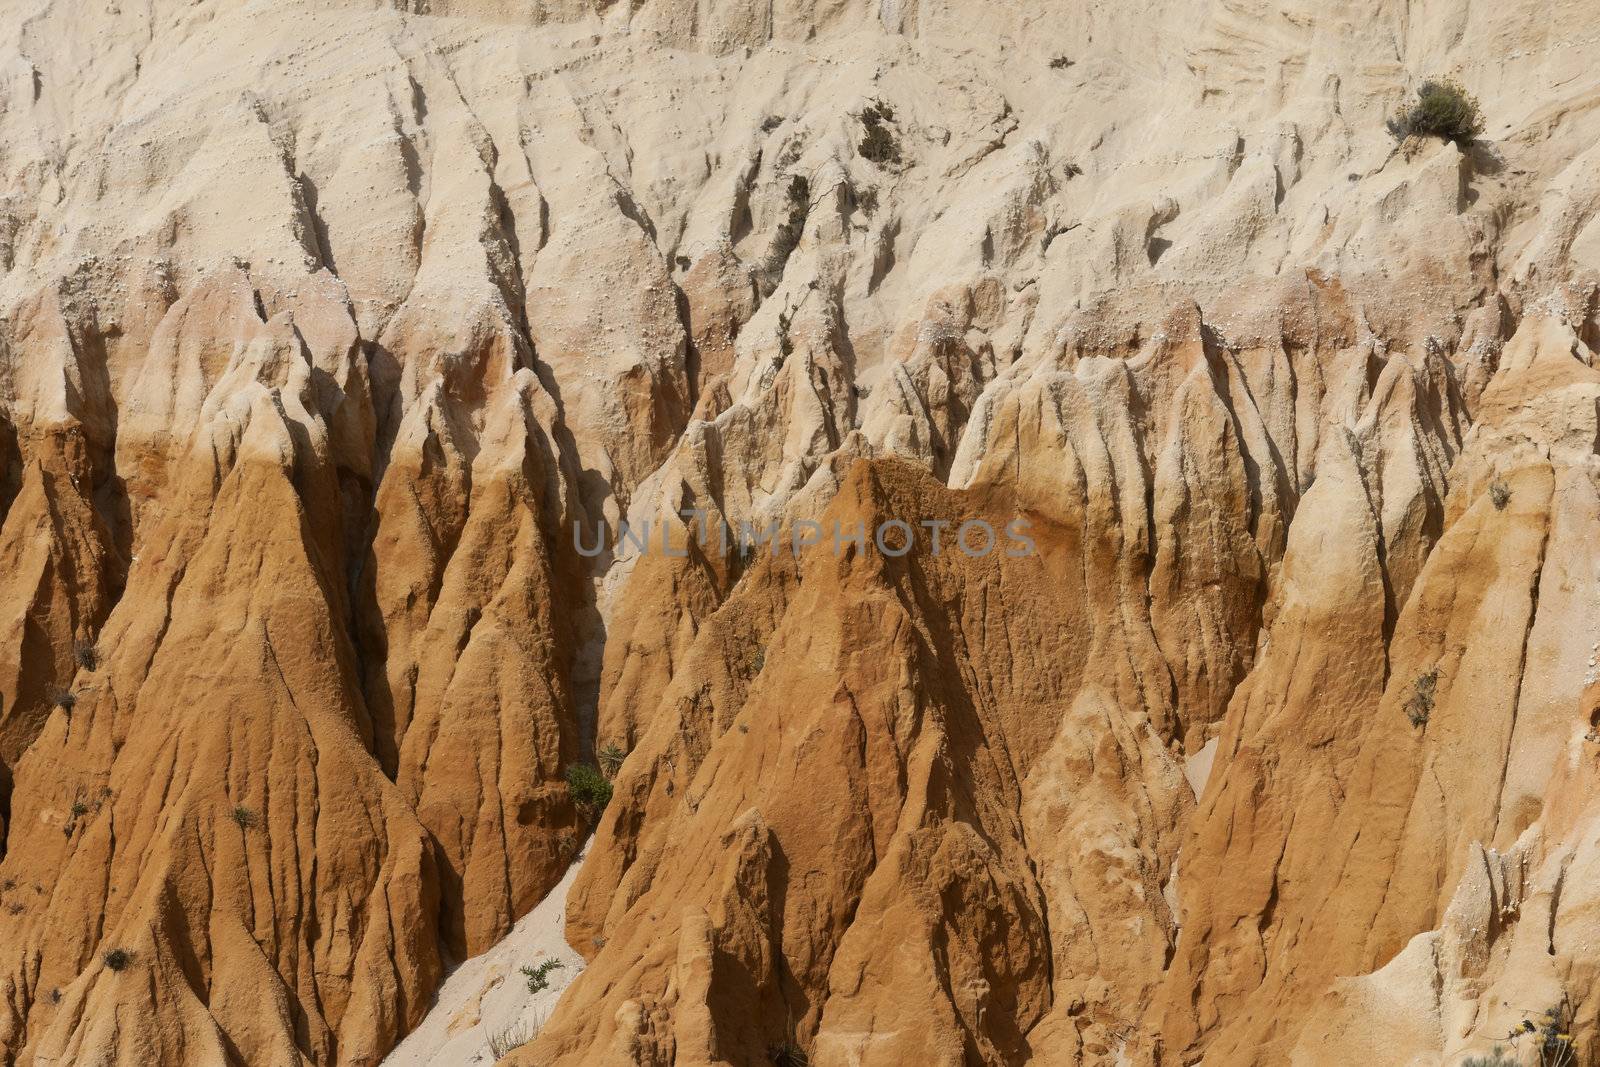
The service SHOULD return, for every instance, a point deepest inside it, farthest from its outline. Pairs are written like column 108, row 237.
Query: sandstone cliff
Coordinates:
column 332, row 334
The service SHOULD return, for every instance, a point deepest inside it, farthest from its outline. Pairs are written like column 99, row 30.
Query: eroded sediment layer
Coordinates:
column 324, row 327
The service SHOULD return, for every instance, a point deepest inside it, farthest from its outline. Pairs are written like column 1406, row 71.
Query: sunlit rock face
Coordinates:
column 347, row 351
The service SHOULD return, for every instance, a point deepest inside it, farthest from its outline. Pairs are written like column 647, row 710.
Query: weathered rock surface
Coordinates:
column 342, row 344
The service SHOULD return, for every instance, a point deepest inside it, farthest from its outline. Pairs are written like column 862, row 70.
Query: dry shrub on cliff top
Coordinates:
column 1443, row 109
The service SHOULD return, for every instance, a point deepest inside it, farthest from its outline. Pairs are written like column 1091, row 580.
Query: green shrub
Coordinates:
column 589, row 788
column 539, row 977
column 797, row 205
column 1499, row 494
column 1443, row 109
column 877, row 141
column 117, row 959
column 244, row 817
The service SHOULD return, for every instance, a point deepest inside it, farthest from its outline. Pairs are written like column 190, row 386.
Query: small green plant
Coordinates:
column 787, row 1054
column 1060, row 63
column 877, row 141
column 79, row 809
column 84, row 655
column 1419, row 705
column 1499, row 494
column 589, row 788
column 611, row 758
column 117, row 959
column 243, row 817
column 1442, row 109
column 539, row 977
column 758, row 661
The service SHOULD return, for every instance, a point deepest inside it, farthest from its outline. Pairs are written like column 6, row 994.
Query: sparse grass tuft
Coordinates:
column 84, row 655
column 787, row 1054
column 63, row 699
column 117, row 959
column 1442, row 109
column 244, row 818
column 611, row 758
column 510, row 1037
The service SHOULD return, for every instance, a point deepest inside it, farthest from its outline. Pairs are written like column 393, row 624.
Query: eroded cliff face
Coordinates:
column 330, row 332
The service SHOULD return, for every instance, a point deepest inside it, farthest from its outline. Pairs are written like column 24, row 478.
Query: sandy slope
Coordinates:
column 488, row 996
